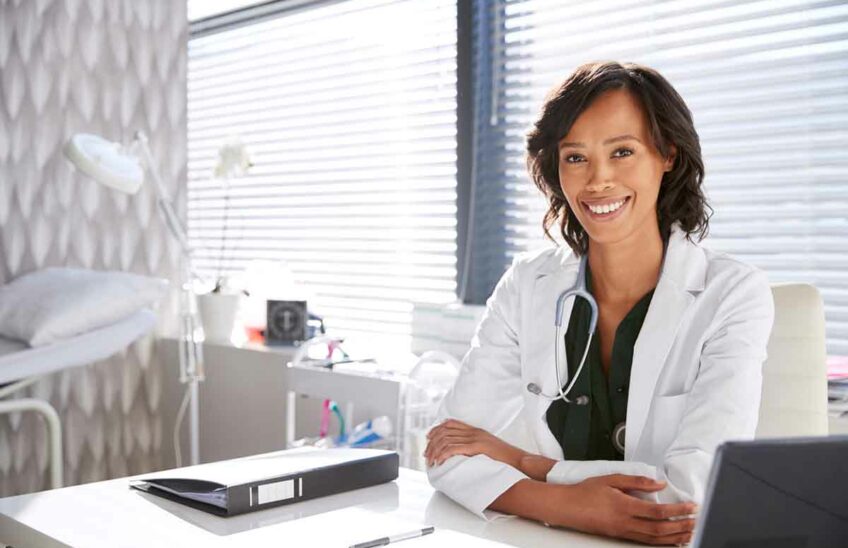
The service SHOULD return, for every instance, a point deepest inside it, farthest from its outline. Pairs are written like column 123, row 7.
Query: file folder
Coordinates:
column 238, row 486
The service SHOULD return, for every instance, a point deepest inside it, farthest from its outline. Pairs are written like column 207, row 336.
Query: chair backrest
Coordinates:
column 794, row 398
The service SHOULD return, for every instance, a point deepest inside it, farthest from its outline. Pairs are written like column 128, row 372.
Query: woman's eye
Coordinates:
column 574, row 158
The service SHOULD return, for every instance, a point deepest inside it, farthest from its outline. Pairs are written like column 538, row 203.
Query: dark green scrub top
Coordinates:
column 585, row 431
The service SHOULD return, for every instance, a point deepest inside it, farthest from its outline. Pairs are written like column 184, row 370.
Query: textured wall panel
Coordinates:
column 107, row 67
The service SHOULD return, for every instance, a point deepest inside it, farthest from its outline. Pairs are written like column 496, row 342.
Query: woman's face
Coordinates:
column 608, row 163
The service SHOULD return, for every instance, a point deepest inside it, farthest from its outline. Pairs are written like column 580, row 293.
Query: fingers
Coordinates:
column 437, row 449
column 676, row 539
column 436, row 445
column 656, row 527
column 450, row 431
column 449, row 424
column 639, row 520
column 438, row 437
column 634, row 483
column 663, row 528
column 654, row 511
column 449, row 450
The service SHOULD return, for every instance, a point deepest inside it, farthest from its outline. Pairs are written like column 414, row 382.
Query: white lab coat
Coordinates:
column 695, row 379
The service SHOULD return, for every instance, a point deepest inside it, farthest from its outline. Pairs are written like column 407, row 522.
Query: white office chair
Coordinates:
column 794, row 398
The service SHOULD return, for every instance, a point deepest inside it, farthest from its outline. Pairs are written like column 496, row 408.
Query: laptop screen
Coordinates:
column 778, row 493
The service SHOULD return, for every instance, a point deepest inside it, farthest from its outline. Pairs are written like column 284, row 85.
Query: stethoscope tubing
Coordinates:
column 578, row 290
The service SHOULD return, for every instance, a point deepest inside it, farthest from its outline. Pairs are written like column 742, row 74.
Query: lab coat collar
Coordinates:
column 682, row 276
column 685, row 265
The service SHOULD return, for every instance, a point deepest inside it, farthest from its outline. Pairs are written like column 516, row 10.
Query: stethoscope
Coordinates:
column 578, row 290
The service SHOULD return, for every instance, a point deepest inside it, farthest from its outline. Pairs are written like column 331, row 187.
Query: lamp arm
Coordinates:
column 163, row 201
column 191, row 329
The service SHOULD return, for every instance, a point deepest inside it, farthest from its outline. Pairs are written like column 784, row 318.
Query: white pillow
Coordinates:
column 49, row 305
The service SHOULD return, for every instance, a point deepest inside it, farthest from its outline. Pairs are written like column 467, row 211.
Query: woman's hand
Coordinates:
column 602, row 505
column 454, row 437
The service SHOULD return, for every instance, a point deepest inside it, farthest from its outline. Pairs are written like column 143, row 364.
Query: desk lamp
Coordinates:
column 123, row 169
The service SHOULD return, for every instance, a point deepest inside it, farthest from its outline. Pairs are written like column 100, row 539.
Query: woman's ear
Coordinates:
column 669, row 162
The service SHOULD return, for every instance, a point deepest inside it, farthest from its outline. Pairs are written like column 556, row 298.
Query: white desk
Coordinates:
column 110, row 514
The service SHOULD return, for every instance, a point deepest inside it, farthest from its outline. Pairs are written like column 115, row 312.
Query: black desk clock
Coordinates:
column 287, row 322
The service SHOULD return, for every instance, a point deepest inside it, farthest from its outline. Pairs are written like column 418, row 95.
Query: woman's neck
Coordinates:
column 624, row 271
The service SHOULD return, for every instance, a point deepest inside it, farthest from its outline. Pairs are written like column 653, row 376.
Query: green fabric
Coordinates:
column 585, row 431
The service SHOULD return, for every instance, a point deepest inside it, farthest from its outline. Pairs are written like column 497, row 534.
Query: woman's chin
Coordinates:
column 625, row 232
column 610, row 232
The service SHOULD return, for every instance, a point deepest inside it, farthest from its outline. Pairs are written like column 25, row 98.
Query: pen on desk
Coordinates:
column 394, row 538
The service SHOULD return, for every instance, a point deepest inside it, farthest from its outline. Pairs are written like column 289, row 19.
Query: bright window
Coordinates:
column 348, row 112
column 767, row 83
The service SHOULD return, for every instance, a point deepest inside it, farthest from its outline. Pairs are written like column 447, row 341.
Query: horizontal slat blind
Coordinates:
column 767, row 83
column 348, row 112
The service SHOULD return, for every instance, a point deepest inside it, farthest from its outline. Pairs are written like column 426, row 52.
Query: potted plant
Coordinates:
column 219, row 308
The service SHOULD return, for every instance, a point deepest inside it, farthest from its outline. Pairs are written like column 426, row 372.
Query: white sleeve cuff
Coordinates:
column 575, row 471
column 475, row 482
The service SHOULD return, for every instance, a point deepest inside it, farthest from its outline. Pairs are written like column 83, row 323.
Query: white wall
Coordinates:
column 107, row 67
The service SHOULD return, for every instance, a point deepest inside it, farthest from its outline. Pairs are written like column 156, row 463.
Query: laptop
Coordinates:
column 777, row 493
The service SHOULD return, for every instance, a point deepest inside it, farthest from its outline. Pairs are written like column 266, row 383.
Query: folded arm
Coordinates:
column 487, row 396
column 603, row 505
column 453, row 437
column 723, row 404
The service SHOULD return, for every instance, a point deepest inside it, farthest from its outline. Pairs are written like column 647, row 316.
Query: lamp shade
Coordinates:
column 105, row 162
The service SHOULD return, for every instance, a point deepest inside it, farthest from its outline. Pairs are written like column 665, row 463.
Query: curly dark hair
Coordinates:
column 680, row 199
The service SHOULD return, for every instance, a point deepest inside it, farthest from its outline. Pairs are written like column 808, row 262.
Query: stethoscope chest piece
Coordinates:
column 618, row 434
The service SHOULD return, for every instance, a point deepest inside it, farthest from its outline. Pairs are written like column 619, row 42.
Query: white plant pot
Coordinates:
column 218, row 313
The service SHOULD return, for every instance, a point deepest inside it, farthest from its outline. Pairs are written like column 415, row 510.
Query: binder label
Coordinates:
column 273, row 492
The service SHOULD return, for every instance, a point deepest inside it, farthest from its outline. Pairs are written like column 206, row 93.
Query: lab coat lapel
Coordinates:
column 552, row 278
column 682, row 275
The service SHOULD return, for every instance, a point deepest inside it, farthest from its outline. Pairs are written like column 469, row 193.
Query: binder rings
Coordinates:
column 233, row 487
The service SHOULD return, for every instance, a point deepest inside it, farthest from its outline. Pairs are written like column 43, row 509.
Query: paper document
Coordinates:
column 269, row 465
column 201, row 491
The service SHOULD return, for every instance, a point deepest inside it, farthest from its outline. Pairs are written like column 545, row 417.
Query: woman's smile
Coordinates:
column 606, row 211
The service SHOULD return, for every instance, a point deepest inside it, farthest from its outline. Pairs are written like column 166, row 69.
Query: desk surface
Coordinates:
column 110, row 514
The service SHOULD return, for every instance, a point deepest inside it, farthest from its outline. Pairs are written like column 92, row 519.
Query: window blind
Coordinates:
column 348, row 113
column 767, row 83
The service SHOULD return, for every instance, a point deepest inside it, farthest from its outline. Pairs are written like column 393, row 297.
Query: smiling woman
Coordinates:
column 637, row 97
column 672, row 334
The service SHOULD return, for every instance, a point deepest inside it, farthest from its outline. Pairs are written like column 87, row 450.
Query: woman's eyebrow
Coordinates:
column 563, row 144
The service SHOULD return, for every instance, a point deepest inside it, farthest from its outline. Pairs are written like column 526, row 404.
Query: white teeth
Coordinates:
column 607, row 208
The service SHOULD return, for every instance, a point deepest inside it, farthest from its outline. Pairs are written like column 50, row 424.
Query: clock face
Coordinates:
column 286, row 321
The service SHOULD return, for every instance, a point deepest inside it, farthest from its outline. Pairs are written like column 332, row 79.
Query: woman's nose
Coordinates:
column 601, row 177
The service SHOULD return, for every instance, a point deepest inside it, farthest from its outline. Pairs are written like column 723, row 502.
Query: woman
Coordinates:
column 673, row 368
